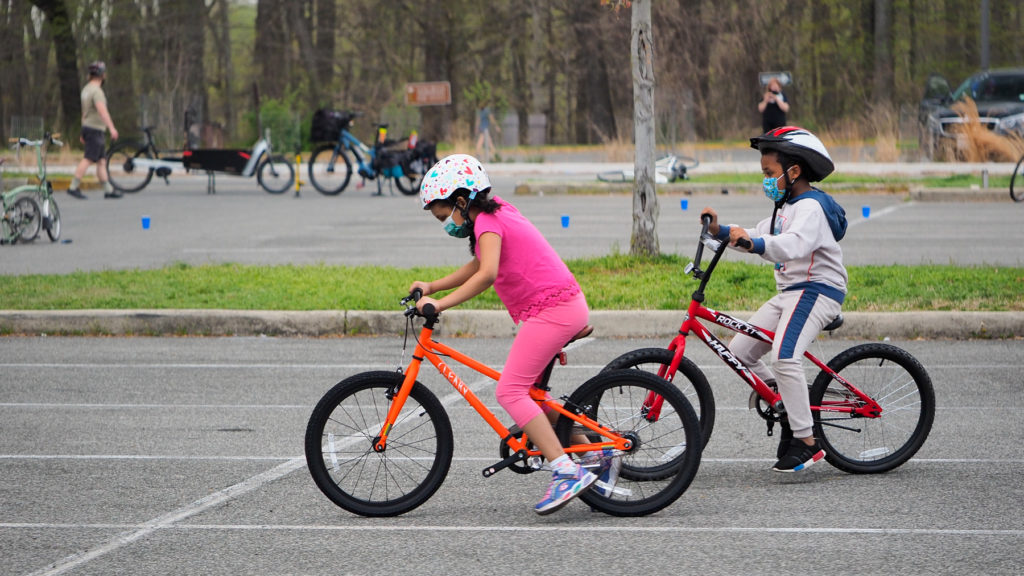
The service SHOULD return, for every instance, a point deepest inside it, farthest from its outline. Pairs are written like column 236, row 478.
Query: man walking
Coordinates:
column 95, row 122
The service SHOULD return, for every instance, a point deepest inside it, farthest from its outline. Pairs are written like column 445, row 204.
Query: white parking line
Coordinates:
column 879, row 213
column 535, row 529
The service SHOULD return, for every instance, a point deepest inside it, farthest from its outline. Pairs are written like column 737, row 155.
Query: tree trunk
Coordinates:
column 121, row 91
column 644, row 241
column 326, row 21
column 67, row 61
column 883, row 57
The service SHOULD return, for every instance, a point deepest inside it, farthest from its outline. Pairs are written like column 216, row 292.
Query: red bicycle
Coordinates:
column 873, row 404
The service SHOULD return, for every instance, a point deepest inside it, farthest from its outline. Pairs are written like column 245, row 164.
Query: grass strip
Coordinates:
column 615, row 282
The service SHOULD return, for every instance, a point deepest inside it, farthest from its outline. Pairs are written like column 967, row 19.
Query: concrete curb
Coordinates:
column 478, row 323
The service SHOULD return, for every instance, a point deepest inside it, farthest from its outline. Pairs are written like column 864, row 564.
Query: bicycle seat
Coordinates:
column 834, row 324
column 581, row 334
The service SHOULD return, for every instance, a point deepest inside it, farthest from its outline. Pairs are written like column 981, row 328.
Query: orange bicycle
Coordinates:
column 380, row 443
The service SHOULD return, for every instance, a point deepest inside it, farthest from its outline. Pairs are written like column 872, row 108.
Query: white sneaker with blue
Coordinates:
column 567, row 482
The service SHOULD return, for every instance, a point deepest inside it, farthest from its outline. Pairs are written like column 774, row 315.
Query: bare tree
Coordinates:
column 644, row 241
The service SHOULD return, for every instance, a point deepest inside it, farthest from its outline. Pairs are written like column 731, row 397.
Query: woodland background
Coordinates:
column 859, row 66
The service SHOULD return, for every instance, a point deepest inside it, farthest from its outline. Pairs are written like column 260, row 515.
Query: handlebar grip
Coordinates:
column 744, row 243
column 416, row 294
column 429, row 310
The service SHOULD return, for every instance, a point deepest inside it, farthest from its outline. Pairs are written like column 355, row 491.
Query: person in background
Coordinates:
column 95, row 122
column 773, row 107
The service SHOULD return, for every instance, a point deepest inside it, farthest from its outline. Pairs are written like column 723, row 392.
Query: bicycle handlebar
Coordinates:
column 429, row 311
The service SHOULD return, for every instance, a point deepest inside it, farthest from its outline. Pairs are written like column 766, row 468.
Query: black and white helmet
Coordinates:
column 797, row 143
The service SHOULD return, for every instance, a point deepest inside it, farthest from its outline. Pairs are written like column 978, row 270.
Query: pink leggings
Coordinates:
column 540, row 337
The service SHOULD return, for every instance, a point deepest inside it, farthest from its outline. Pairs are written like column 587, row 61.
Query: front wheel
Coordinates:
column 688, row 378
column 51, row 218
column 898, row 383
column 412, row 176
column 25, row 219
column 330, row 169
column 664, row 431
column 340, row 438
column 1017, row 182
column 124, row 174
column 276, row 175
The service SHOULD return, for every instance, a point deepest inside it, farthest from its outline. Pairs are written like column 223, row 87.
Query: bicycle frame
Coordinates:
column 431, row 350
column 696, row 311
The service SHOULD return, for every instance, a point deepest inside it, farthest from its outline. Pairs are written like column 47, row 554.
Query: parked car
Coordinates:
column 998, row 94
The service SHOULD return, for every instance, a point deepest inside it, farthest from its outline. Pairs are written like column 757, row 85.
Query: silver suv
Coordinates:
column 999, row 95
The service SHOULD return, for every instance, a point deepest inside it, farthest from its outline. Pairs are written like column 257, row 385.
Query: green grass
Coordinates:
column 611, row 283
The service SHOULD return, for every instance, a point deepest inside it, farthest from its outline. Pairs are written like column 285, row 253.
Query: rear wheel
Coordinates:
column 340, row 451
column 122, row 170
column 898, row 383
column 26, row 219
column 412, row 176
column 276, row 175
column 664, row 431
column 1017, row 182
column 330, row 169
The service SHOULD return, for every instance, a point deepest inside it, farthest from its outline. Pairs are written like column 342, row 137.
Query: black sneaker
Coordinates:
column 76, row 193
column 114, row 194
column 785, row 437
column 798, row 456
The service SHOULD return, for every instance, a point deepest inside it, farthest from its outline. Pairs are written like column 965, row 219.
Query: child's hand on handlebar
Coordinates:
column 713, row 227
column 425, row 301
column 423, row 287
column 739, row 237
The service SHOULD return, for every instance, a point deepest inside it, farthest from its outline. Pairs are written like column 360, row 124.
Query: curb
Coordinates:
column 476, row 323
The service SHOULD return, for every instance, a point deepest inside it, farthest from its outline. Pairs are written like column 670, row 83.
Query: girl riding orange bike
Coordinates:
column 802, row 238
column 540, row 293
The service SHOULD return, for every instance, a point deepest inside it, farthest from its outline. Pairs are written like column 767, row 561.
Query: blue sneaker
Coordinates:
column 608, row 473
column 564, row 487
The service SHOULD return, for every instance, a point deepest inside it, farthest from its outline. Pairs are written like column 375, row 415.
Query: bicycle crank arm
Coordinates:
column 517, row 457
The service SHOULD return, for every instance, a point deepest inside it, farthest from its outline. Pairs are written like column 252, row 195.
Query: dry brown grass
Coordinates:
column 976, row 143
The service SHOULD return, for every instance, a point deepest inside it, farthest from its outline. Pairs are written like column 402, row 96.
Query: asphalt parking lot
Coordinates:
column 184, row 456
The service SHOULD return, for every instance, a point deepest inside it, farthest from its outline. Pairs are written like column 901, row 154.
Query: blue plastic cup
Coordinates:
column 684, row 204
column 865, row 211
column 565, row 220
column 145, row 222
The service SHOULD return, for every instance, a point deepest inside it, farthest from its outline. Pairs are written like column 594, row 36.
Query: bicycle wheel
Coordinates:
column 412, row 177
column 276, row 175
column 1017, row 182
column 25, row 219
column 900, row 385
column 340, row 437
column 51, row 218
column 688, row 378
column 124, row 175
column 659, row 467
column 330, row 169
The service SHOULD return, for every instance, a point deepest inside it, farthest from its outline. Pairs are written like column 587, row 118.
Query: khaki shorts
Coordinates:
column 95, row 143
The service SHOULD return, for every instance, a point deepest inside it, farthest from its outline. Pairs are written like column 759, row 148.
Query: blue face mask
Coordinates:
column 771, row 188
column 455, row 230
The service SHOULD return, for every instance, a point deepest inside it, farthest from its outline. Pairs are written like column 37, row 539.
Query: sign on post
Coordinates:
column 784, row 78
column 428, row 93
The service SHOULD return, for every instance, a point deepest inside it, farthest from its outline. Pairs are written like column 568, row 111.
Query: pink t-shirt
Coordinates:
column 531, row 276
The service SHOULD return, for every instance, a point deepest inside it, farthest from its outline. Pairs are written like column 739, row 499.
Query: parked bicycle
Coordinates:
column 42, row 190
column 873, row 404
column 20, row 217
column 404, row 162
column 670, row 168
column 1017, row 182
column 380, row 443
column 131, row 164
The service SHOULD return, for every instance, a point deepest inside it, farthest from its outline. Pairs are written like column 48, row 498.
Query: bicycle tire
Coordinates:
column 124, row 176
column 412, row 177
column 325, row 173
column 279, row 179
column 894, row 379
column 26, row 219
column 1017, row 182
column 688, row 378
column 339, row 446
column 615, row 399
column 53, row 226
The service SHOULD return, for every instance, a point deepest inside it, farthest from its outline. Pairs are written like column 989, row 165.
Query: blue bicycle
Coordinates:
column 330, row 168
